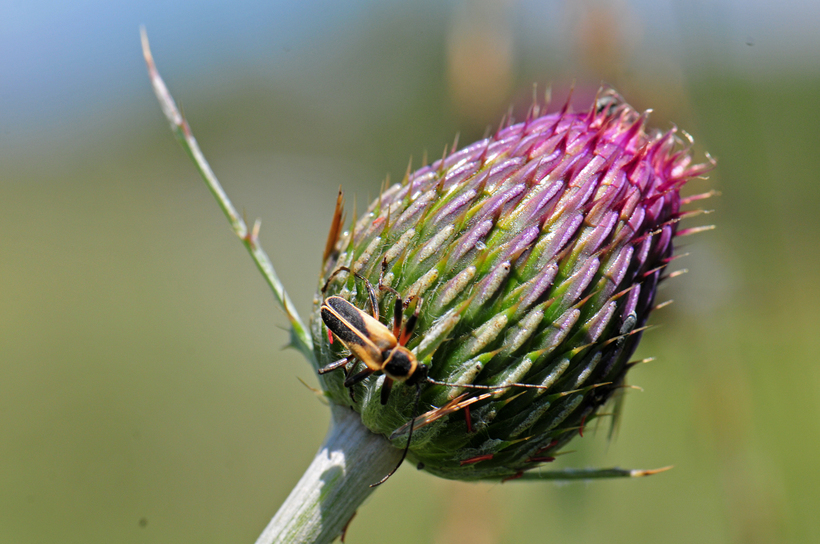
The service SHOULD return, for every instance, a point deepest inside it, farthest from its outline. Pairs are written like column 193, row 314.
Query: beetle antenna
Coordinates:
column 333, row 276
column 488, row 387
column 409, row 437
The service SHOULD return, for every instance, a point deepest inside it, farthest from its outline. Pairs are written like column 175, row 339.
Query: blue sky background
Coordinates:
column 66, row 58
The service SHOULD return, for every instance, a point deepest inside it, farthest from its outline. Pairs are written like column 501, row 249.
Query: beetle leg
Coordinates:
column 336, row 364
column 386, row 386
column 408, row 327
column 348, row 373
column 358, row 378
column 400, row 304
column 371, row 294
column 398, row 315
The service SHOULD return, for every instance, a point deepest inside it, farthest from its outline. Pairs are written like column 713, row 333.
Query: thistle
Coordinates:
column 530, row 261
column 532, row 257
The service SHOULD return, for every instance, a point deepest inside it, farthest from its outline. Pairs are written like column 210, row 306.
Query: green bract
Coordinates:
column 536, row 255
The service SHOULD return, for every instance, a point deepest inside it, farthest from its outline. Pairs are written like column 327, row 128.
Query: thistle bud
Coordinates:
column 530, row 257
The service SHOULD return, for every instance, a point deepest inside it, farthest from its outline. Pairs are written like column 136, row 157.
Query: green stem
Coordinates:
column 299, row 334
column 334, row 485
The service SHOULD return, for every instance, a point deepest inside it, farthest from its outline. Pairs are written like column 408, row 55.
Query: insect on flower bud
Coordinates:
column 528, row 258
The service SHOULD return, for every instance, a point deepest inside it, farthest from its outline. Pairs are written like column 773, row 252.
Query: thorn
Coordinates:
column 676, row 257
column 547, row 447
column 677, row 273
column 515, row 476
column 386, row 228
column 532, row 113
column 335, row 227
column 578, row 305
column 409, row 194
column 500, row 125
column 619, row 294
column 441, row 168
column 621, row 337
column 663, row 304
column 252, row 237
column 318, row 392
column 701, row 196
column 695, row 230
column 566, row 105
column 468, row 419
column 548, row 459
column 382, row 189
column 650, row 472
column 630, row 364
column 694, row 213
column 353, row 223
column 643, row 237
column 408, row 172
column 653, row 270
column 477, row 459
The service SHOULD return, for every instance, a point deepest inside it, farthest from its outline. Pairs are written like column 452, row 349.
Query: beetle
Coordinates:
column 382, row 350
column 370, row 341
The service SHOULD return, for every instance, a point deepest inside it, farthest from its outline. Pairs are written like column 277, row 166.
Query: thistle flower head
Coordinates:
column 532, row 256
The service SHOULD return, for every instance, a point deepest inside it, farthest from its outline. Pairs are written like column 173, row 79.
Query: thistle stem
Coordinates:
column 334, row 485
column 299, row 334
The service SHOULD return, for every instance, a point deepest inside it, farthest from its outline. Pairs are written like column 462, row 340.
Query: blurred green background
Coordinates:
column 144, row 394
